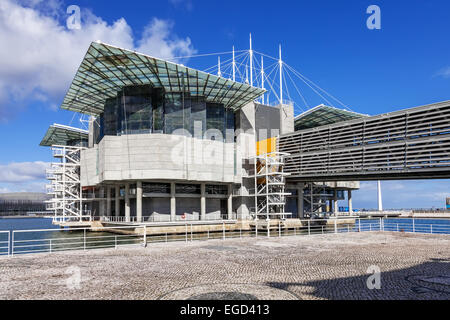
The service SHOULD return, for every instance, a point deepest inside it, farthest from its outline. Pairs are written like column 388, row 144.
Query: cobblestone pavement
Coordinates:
column 306, row 267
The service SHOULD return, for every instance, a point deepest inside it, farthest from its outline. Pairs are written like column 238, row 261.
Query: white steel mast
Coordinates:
column 234, row 67
column 251, row 61
column 281, row 78
column 219, row 72
column 262, row 77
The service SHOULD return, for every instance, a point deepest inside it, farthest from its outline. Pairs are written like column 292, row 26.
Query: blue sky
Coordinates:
column 405, row 64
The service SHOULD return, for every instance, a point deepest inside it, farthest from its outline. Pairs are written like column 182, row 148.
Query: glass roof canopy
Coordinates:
column 322, row 115
column 59, row 135
column 106, row 69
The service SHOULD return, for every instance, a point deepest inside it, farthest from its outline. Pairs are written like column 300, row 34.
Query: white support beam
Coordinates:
column 139, row 201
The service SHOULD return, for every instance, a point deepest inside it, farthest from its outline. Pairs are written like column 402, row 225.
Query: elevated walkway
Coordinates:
column 406, row 144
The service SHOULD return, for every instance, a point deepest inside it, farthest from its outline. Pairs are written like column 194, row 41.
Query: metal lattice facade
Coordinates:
column 411, row 143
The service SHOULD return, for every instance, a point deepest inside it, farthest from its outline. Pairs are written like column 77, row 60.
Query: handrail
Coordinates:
column 52, row 240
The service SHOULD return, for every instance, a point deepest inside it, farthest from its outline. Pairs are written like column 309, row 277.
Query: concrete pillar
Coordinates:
column 203, row 202
column 117, row 200
column 350, row 203
column 108, row 201
column 139, row 201
column 101, row 207
column 127, row 202
column 380, row 201
column 173, row 202
column 300, row 200
column 230, row 202
column 335, row 203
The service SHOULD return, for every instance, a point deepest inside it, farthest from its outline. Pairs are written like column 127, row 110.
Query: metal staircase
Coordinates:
column 65, row 184
column 316, row 195
column 269, row 191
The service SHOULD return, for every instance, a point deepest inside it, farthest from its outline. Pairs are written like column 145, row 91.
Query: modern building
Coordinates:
column 169, row 143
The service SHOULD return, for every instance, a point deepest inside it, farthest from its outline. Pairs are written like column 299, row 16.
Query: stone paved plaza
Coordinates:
column 304, row 267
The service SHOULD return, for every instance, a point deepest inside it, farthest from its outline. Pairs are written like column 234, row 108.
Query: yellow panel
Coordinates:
column 266, row 146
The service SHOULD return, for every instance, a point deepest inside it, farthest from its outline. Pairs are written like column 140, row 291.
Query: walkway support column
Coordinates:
column 117, row 201
column 380, row 201
column 335, row 203
column 139, row 201
column 173, row 202
column 127, row 202
column 101, row 206
column 230, row 202
column 300, row 208
column 108, row 201
column 203, row 202
column 350, row 202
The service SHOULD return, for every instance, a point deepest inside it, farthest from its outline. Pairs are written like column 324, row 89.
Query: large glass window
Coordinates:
column 156, row 188
column 136, row 109
column 177, row 113
column 110, row 117
column 144, row 109
column 215, row 121
column 198, row 117
column 187, row 188
column 212, row 189
column 158, row 110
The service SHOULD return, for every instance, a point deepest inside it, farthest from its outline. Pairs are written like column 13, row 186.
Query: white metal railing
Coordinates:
column 55, row 240
column 5, row 243
column 167, row 218
column 59, row 219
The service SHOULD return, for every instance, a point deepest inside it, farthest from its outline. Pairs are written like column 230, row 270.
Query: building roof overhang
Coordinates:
column 323, row 115
column 60, row 135
column 106, row 69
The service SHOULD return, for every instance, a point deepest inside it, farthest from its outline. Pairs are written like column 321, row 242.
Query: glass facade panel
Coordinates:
column 173, row 112
column 187, row 188
column 110, row 117
column 158, row 111
column 213, row 189
column 148, row 187
column 135, row 109
column 198, row 117
column 144, row 109
column 215, row 121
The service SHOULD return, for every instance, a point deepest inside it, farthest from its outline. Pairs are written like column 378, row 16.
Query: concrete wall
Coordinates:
column 267, row 122
column 158, row 157
column 246, row 148
column 287, row 118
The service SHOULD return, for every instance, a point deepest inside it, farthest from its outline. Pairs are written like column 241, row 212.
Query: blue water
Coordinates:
column 55, row 239
column 42, row 241
column 26, row 224
column 435, row 226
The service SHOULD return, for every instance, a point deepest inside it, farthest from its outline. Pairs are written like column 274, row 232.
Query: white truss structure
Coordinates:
column 65, row 184
column 270, row 181
column 282, row 82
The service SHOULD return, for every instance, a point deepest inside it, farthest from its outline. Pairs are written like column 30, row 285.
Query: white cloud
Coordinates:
column 4, row 190
column 445, row 72
column 156, row 39
column 187, row 4
column 17, row 172
column 39, row 55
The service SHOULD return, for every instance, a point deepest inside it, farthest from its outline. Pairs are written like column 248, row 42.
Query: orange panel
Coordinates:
column 266, row 146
